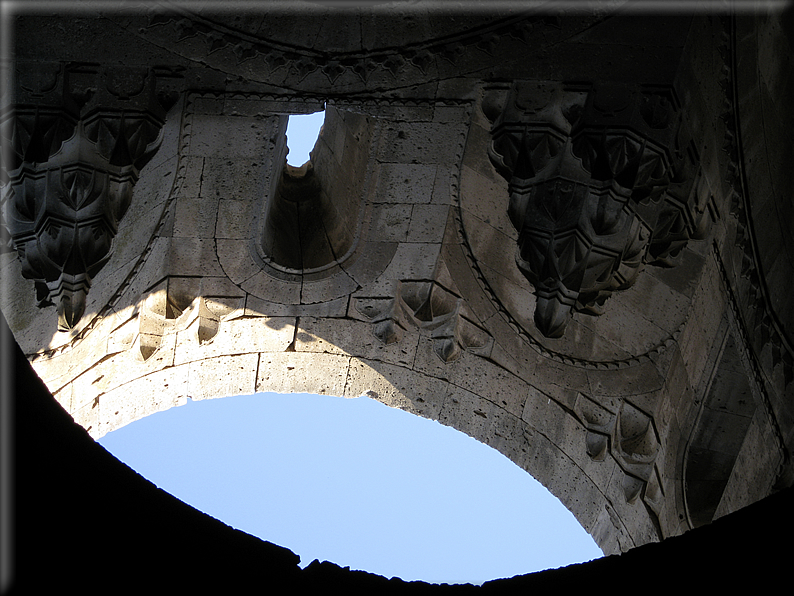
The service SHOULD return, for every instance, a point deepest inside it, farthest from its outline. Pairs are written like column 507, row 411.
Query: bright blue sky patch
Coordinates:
column 357, row 483
column 302, row 131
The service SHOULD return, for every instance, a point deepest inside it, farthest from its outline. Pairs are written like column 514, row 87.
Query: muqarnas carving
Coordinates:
column 174, row 305
column 77, row 143
column 629, row 436
column 429, row 306
column 602, row 180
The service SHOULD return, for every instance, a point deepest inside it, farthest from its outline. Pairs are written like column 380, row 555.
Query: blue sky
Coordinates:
column 302, row 131
column 354, row 482
column 357, row 483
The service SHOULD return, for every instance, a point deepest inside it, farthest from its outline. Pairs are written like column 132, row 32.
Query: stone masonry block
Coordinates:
column 479, row 418
column 707, row 309
column 487, row 198
column 195, row 218
column 256, row 307
column 193, row 256
column 442, row 185
column 155, row 392
column 189, row 184
column 421, row 143
column 371, row 260
column 632, row 380
column 236, row 336
column 303, row 372
column 235, row 178
column 405, row 183
column 327, row 288
column 131, row 242
column 236, row 260
column 491, row 382
column 356, row 338
column 396, row 386
column 88, row 418
column 223, row 376
column 271, row 289
column 122, row 368
column 390, row 223
column 228, row 136
column 562, row 382
column 413, row 261
column 428, row 223
column 234, row 219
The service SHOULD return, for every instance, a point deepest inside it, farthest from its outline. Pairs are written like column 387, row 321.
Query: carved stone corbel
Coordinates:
column 77, row 145
column 628, row 435
column 177, row 303
column 430, row 307
column 600, row 184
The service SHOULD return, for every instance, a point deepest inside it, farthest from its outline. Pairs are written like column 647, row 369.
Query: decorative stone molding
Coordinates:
column 72, row 169
column 171, row 306
column 629, row 436
column 744, row 342
column 430, row 307
column 602, row 180
column 203, row 33
column 766, row 330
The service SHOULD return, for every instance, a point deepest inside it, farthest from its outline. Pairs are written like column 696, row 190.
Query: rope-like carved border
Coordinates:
column 766, row 328
column 416, row 57
column 740, row 328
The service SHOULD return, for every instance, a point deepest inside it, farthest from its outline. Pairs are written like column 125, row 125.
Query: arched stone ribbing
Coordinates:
column 416, row 271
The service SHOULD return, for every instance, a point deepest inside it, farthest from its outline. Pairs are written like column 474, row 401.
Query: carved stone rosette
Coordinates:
column 602, row 180
column 70, row 172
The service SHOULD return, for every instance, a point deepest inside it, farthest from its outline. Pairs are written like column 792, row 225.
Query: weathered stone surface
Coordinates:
column 222, row 376
column 397, row 387
column 353, row 338
column 235, row 336
column 302, row 372
column 158, row 391
column 588, row 270
column 405, row 183
column 222, row 136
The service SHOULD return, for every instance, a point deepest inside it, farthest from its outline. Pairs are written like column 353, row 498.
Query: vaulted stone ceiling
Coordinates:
column 565, row 234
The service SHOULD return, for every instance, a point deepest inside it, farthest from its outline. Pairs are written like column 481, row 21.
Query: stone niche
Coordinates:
column 313, row 218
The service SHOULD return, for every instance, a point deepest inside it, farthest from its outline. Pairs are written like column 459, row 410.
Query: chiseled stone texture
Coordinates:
column 415, row 296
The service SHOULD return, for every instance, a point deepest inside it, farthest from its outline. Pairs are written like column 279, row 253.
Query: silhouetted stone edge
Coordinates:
column 82, row 518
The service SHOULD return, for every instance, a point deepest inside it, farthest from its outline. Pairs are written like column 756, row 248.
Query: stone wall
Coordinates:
column 83, row 519
column 556, row 255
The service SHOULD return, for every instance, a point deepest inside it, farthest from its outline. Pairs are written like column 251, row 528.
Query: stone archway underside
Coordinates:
column 551, row 264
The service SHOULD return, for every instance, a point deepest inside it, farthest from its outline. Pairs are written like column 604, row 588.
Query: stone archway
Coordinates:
column 409, row 340
column 579, row 336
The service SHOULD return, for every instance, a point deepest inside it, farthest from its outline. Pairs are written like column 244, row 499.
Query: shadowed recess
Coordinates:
column 312, row 214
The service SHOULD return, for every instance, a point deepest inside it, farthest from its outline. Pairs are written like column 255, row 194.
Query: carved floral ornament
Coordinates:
column 602, row 181
column 76, row 141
